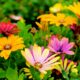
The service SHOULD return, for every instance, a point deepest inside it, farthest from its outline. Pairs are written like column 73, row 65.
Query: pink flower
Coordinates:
column 7, row 28
column 14, row 17
column 40, row 58
column 61, row 46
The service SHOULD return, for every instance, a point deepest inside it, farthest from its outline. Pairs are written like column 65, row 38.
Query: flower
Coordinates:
column 46, row 17
column 75, row 8
column 62, row 19
column 7, row 45
column 40, row 58
column 28, row 71
column 61, row 46
column 43, row 25
column 7, row 28
column 56, row 8
column 14, row 17
column 67, row 66
column 75, row 28
column 44, row 21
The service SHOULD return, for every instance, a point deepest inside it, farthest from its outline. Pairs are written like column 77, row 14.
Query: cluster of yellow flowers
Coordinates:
column 58, row 19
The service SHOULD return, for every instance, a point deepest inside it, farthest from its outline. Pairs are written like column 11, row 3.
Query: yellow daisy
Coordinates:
column 44, row 21
column 56, row 8
column 75, row 8
column 67, row 66
column 7, row 45
column 63, row 19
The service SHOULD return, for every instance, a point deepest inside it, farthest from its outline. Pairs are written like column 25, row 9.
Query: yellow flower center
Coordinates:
column 61, row 21
column 7, row 47
column 38, row 65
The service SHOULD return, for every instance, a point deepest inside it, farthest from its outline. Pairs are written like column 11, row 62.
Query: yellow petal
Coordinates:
column 5, row 54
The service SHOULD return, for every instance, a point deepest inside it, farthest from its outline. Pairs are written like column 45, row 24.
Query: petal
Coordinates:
column 44, row 54
column 54, row 60
column 54, row 44
column 5, row 54
column 49, row 58
column 68, row 46
column 37, row 52
column 28, row 56
column 64, row 41
column 69, row 52
column 17, row 47
column 65, row 63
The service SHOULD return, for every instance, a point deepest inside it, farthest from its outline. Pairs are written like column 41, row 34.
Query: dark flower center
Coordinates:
column 60, row 49
column 38, row 65
column 7, row 47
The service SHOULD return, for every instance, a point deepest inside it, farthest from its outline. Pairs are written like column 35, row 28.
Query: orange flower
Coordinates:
column 7, row 45
column 63, row 19
column 75, row 8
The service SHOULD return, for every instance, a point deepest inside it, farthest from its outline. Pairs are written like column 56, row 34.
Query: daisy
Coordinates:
column 7, row 45
column 7, row 28
column 66, row 65
column 75, row 8
column 40, row 58
column 60, row 46
column 62, row 19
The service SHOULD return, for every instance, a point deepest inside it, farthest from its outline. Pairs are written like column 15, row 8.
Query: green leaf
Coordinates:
column 65, row 75
column 11, row 74
column 47, row 75
column 35, row 73
column 2, row 73
column 21, row 77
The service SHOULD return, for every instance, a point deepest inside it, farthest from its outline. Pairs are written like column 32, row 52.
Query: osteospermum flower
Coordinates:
column 56, row 8
column 75, row 8
column 7, row 28
column 46, row 17
column 75, row 28
column 40, row 58
column 7, row 45
column 60, row 46
column 43, row 25
column 67, row 66
column 14, row 17
column 44, row 21
column 62, row 19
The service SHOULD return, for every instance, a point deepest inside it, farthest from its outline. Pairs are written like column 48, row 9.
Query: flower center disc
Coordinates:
column 61, row 21
column 38, row 65
column 7, row 47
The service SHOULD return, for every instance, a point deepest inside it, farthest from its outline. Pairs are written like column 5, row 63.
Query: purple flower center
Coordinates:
column 60, row 49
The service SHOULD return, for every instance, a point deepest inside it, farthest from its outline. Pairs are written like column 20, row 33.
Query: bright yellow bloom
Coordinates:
column 42, row 25
column 75, row 8
column 44, row 21
column 56, row 8
column 63, row 19
column 67, row 66
column 7, row 45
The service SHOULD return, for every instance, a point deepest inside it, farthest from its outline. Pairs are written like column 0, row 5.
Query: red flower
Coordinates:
column 75, row 28
column 7, row 28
